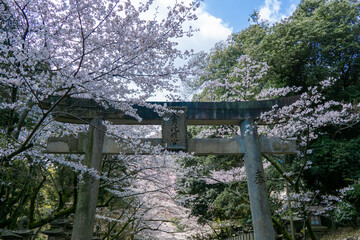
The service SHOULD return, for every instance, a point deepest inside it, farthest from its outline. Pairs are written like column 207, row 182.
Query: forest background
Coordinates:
column 111, row 52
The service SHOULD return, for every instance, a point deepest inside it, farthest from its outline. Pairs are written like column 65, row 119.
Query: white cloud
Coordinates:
column 270, row 11
column 211, row 31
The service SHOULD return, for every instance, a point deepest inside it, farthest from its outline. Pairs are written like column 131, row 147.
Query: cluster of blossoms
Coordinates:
column 229, row 176
column 309, row 203
column 250, row 72
column 308, row 114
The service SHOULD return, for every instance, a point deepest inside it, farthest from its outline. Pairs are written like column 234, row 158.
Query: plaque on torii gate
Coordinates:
column 181, row 114
column 174, row 130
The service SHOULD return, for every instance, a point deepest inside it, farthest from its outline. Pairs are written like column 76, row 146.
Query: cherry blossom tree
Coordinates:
column 305, row 121
column 119, row 53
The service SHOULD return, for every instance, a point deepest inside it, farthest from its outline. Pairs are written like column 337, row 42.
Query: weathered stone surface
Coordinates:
column 81, row 111
column 174, row 130
column 89, row 185
column 260, row 211
column 213, row 146
column 60, row 229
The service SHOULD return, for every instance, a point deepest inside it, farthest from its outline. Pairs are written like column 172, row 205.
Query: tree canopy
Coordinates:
column 313, row 53
column 111, row 51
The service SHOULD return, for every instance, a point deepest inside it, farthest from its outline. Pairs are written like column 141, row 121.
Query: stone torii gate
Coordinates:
column 95, row 144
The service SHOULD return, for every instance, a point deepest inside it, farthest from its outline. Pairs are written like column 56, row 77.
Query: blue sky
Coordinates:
column 235, row 13
column 217, row 19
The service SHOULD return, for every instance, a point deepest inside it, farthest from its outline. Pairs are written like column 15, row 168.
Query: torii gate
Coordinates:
column 95, row 144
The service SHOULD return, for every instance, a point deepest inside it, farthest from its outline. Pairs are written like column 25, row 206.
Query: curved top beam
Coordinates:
column 81, row 111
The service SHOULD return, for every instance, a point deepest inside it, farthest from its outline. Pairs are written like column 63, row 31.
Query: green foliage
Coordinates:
column 344, row 214
column 219, row 64
column 333, row 160
column 353, row 196
column 210, row 199
column 320, row 40
column 249, row 40
column 233, row 205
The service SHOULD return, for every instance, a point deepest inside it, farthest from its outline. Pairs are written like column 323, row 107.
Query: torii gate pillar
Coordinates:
column 260, row 212
column 89, row 185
